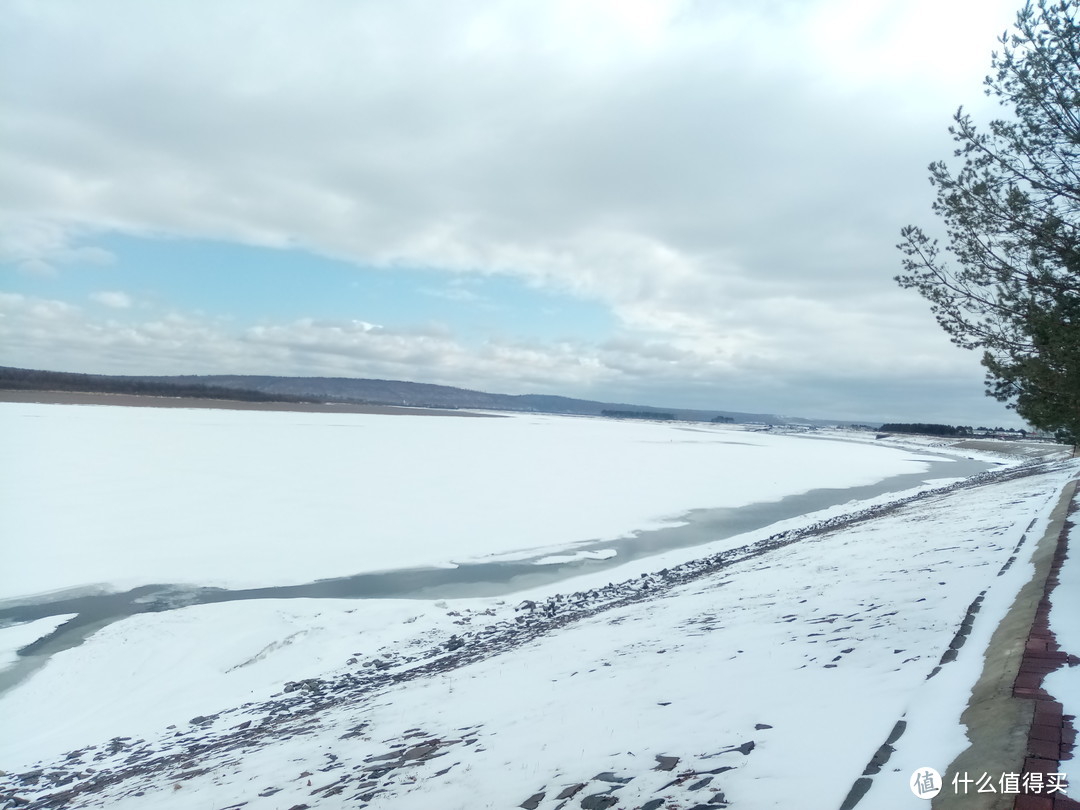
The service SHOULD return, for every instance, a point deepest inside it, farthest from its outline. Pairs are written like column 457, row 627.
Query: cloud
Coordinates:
column 113, row 299
column 498, row 138
column 38, row 246
column 627, row 367
column 729, row 179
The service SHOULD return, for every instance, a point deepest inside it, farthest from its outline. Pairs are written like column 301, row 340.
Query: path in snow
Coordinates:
column 1015, row 728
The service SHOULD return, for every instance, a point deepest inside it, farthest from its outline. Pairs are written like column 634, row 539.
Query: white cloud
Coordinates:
column 35, row 312
column 113, row 299
column 39, row 245
column 34, row 332
column 471, row 136
column 728, row 178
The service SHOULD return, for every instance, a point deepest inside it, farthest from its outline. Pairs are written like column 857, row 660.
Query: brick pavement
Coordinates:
column 1052, row 735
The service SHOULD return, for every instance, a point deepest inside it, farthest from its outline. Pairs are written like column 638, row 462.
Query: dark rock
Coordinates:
column 307, row 685
column 666, row 763
column 699, row 785
column 746, row 748
column 653, row 804
column 420, row 751
column 897, row 732
column 117, row 745
column 718, row 798
column 599, row 801
column 761, row 726
column 858, row 790
column 355, row 731
column 455, row 643
column 721, row 769
column 533, row 801
column 608, row 776
column 383, row 757
column 571, row 791
column 881, row 756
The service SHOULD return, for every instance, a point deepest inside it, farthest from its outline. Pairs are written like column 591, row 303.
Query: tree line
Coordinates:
column 945, row 430
column 638, row 415
column 20, row 379
column 927, row 429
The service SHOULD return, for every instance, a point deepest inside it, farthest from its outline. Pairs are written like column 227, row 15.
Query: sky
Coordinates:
column 664, row 202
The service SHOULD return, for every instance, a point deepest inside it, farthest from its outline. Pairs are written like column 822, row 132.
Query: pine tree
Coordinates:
column 1008, row 281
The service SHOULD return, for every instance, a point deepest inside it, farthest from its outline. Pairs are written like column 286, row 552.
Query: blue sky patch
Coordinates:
column 246, row 285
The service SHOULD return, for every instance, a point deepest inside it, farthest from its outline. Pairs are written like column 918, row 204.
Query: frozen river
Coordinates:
column 108, row 512
column 91, row 612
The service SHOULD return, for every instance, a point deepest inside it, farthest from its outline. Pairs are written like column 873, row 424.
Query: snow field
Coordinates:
column 828, row 641
column 120, row 497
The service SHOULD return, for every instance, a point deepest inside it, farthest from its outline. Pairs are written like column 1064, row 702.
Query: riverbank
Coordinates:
column 768, row 673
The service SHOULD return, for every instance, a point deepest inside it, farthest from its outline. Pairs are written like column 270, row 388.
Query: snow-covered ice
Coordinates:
column 771, row 675
column 133, row 496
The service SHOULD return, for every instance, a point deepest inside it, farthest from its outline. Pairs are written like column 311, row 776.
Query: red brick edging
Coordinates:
column 1052, row 735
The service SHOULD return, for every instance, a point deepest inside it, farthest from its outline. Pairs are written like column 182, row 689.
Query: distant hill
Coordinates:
column 427, row 395
column 348, row 389
column 22, row 379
